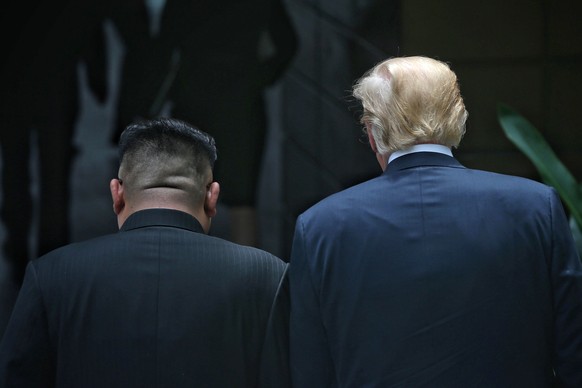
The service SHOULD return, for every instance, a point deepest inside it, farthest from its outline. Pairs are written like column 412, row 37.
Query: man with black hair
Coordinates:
column 160, row 303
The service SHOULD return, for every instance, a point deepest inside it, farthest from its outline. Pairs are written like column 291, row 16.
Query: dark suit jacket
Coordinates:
column 159, row 304
column 436, row 275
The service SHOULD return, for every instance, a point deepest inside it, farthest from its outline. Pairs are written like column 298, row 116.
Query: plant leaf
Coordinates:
column 552, row 171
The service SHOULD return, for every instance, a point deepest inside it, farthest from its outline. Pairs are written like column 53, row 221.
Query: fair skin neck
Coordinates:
column 123, row 207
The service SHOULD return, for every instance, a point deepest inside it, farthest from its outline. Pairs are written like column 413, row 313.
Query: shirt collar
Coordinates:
column 438, row 148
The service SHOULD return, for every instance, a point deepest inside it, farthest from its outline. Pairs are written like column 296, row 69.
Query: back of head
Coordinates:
column 412, row 100
column 166, row 159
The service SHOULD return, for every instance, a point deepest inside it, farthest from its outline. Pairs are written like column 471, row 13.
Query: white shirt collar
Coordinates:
column 438, row 148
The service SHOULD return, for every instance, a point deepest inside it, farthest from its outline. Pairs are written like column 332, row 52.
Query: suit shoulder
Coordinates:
column 76, row 249
column 247, row 255
column 511, row 182
column 341, row 200
column 249, row 268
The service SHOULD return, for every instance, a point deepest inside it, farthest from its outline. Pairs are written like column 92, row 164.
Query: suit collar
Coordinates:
column 422, row 159
column 162, row 217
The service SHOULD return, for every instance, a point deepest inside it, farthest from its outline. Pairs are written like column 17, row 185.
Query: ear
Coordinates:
column 382, row 159
column 117, row 195
column 211, row 199
column 371, row 139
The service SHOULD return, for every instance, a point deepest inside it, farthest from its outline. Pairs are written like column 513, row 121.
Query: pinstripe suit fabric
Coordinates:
column 159, row 304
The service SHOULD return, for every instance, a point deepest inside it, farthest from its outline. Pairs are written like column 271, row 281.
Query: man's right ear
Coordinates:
column 117, row 195
column 211, row 199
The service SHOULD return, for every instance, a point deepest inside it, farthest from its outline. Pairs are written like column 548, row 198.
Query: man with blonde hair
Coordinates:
column 433, row 274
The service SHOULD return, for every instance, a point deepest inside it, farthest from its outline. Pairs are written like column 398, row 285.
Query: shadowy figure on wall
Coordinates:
column 44, row 42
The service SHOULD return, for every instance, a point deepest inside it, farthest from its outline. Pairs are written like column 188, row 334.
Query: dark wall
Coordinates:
column 525, row 53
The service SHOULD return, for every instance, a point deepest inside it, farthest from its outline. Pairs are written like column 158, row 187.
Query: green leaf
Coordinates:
column 552, row 171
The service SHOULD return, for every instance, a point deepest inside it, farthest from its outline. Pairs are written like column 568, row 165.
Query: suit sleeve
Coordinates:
column 25, row 356
column 274, row 369
column 566, row 274
column 311, row 363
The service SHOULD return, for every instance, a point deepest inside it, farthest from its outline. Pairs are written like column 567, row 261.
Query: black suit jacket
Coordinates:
column 159, row 304
column 435, row 275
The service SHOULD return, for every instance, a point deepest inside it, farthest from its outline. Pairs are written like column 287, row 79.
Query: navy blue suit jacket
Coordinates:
column 436, row 275
column 159, row 304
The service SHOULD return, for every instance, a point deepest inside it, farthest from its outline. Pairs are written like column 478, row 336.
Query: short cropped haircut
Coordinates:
column 411, row 100
column 166, row 153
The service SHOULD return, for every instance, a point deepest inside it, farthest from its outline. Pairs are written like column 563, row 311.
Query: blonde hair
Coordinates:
column 411, row 100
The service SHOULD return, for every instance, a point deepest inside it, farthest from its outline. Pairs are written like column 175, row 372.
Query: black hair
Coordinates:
column 160, row 135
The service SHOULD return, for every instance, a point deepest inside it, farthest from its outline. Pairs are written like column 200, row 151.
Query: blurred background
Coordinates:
column 271, row 81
